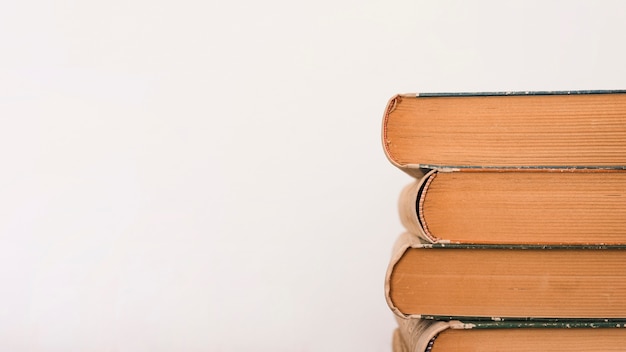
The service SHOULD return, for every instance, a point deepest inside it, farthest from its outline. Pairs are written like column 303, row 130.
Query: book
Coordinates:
column 446, row 281
column 517, row 207
column 420, row 335
column 557, row 130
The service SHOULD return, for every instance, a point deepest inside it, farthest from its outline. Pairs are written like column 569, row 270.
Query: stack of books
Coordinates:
column 515, row 221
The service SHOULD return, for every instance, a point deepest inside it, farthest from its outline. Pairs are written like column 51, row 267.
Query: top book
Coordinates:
column 506, row 130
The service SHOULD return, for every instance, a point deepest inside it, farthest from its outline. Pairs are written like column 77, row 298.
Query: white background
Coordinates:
column 208, row 175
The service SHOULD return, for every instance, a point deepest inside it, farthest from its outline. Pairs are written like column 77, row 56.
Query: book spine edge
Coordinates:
column 409, row 204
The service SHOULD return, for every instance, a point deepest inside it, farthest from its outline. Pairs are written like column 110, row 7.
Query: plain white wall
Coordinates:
column 208, row 176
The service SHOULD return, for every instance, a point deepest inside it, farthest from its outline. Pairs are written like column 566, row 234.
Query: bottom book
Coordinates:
column 421, row 335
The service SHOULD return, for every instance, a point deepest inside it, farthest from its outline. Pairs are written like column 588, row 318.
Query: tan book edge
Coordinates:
column 407, row 206
column 402, row 244
column 413, row 170
column 397, row 342
column 413, row 335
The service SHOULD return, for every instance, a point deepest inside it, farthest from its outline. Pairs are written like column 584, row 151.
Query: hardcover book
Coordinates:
column 574, row 129
column 517, row 207
column 447, row 281
column 420, row 335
